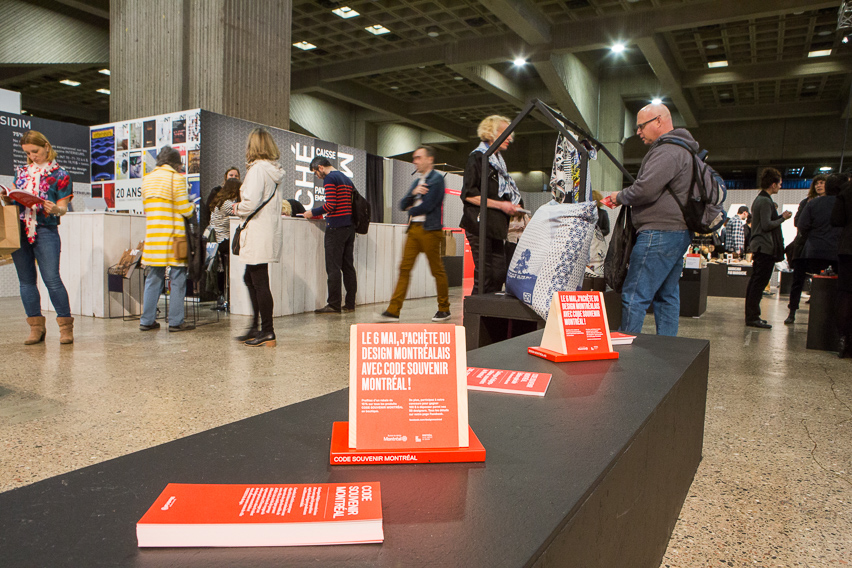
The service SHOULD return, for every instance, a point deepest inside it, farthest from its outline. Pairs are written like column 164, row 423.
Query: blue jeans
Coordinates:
column 654, row 278
column 45, row 250
column 154, row 286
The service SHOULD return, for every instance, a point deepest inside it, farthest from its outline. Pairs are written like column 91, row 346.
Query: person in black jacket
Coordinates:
column 502, row 202
column 766, row 244
column 841, row 216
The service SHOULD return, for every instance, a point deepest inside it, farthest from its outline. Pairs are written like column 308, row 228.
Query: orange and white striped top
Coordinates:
column 166, row 204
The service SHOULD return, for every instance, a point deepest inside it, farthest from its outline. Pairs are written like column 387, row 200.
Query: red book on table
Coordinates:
column 263, row 515
column 512, row 382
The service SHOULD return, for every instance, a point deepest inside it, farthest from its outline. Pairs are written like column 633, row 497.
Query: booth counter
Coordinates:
column 94, row 241
column 298, row 282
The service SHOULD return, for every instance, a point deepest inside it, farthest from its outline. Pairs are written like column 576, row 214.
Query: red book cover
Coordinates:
column 618, row 338
column 187, row 514
column 514, row 382
column 24, row 198
column 407, row 387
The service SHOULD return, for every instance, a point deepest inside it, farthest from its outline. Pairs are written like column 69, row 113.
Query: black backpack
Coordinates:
column 703, row 211
column 360, row 213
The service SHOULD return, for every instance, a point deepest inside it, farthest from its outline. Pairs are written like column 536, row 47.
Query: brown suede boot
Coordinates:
column 66, row 330
column 36, row 330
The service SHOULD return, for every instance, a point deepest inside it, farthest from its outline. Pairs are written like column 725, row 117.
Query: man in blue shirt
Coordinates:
column 424, row 202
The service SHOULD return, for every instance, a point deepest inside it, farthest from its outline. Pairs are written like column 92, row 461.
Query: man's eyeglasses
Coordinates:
column 640, row 127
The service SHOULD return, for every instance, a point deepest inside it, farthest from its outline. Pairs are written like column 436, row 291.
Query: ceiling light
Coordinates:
column 70, row 83
column 103, row 71
column 458, row 78
column 819, row 53
column 617, row 48
column 304, row 45
column 519, row 61
column 378, row 29
column 826, row 169
column 712, row 46
column 23, row 111
column 811, row 87
column 345, row 12
column 824, row 33
column 394, row 87
column 433, row 31
column 656, row 101
column 845, row 39
column 715, row 64
column 725, row 95
column 103, row 91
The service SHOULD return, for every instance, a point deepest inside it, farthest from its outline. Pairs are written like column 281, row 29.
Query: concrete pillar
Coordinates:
column 225, row 56
column 606, row 177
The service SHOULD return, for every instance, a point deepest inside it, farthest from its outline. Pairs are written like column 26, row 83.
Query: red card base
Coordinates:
column 561, row 358
column 342, row 454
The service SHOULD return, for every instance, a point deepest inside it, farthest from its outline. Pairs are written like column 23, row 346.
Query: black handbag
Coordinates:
column 620, row 247
column 235, row 245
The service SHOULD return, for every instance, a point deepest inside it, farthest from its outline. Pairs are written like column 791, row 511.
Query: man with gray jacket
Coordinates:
column 657, row 258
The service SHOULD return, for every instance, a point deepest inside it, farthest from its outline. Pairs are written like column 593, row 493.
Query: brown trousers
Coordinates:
column 428, row 242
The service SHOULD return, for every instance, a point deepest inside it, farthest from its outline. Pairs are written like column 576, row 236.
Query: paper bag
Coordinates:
column 10, row 230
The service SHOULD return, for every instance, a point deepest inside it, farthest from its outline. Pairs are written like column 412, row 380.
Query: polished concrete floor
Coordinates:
column 774, row 487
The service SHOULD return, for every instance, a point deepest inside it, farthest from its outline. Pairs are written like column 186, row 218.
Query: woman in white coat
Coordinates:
column 260, row 240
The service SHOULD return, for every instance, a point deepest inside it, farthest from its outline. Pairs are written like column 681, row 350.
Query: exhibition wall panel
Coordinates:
column 403, row 175
column 225, row 145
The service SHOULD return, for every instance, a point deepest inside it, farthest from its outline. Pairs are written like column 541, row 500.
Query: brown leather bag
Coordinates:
column 179, row 248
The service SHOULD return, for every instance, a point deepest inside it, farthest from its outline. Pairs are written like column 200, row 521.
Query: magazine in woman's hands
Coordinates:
column 22, row 197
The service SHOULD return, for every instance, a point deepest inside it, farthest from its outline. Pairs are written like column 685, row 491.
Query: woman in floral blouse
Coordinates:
column 39, row 225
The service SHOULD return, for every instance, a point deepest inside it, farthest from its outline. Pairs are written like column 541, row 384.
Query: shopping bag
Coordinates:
column 620, row 247
column 552, row 253
column 10, row 230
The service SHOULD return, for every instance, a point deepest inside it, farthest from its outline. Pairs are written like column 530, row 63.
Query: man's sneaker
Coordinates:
column 348, row 309
column 182, row 327
column 441, row 316
column 387, row 314
column 326, row 310
column 155, row 325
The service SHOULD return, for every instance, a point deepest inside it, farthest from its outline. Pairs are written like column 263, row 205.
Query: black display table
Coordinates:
column 489, row 318
column 728, row 280
column 822, row 315
column 693, row 291
column 592, row 475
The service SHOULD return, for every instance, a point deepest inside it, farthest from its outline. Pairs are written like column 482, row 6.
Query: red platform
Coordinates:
column 342, row 454
column 551, row 355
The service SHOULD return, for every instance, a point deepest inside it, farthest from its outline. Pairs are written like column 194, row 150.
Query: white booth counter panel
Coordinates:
column 91, row 243
column 298, row 281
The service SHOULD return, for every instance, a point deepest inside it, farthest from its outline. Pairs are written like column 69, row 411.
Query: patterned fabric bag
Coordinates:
column 552, row 253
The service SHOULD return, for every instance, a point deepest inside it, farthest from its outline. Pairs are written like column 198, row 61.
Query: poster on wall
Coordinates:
column 129, row 167
column 103, row 154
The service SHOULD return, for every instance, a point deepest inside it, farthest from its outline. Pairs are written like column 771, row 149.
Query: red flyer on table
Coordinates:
column 576, row 330
column 24, row 198
column 514, row 382
column 407, row 387
column 188, row 514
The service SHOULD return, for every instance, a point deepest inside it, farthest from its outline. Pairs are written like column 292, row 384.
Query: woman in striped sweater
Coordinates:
column 166, row 204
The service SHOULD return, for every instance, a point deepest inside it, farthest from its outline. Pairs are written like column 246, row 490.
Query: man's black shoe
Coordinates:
column 387, row 314
column 262, row 339
column 758, row 323
column 155, row 325
column 182, row 327
column 326, row 310
column 348, row 309
column 441, row 316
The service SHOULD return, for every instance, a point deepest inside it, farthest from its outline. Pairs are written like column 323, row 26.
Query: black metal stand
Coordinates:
column 561, row 124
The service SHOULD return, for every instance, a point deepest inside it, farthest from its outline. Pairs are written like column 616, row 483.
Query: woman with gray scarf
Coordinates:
column 503, row 198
